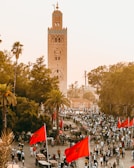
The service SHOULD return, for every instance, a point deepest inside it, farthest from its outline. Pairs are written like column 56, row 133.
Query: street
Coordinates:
column 125, row 162
column 30, row 161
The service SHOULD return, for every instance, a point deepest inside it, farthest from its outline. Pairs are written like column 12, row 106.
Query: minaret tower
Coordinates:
column 57, row 49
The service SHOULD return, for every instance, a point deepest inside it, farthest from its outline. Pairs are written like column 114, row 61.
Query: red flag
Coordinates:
column 125, row 123
column 132, row 167
column 38, row 136
column 61, row 124
column 131, row 123
column 119, row 123
column 80, row 149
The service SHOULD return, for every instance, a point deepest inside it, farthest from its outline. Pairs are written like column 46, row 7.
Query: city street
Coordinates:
column 30, row 161
column 125, row 162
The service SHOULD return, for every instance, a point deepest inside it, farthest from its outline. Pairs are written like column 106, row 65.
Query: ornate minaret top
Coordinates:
column 57, row 7
column 57, row 19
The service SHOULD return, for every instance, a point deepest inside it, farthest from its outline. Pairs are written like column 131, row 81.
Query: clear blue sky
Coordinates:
column 100, row 32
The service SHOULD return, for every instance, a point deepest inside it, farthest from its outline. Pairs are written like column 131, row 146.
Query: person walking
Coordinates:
column 31, row 151
column 59, row 153
column 23, row 157
column 101, row 160
column 114, row 165
column 132, row 154
column 118, row 159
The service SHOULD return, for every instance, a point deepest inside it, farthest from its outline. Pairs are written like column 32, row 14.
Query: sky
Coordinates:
column 100, row 32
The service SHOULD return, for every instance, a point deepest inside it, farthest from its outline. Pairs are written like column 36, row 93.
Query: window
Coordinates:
column 57, row 58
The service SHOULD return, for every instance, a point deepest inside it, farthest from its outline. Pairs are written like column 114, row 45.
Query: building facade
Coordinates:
column 57, row 50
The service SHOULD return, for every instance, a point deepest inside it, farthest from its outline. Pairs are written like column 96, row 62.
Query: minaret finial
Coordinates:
column 57, row 7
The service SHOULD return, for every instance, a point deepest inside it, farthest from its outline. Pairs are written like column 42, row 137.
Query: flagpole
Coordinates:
column 89, row 151
column 133, row 128
column 46, row 139
column 132, row 131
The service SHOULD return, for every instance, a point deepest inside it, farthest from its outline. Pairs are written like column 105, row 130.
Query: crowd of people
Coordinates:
column 18, row 155
column 107, row 141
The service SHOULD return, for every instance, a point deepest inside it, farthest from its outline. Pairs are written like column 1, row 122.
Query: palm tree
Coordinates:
column 57, row 100
column 7, row 98
column 5, row 147
column 16, row 50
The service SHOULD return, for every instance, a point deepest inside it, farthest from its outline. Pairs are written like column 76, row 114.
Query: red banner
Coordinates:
column 80, row 149
column 38, row 136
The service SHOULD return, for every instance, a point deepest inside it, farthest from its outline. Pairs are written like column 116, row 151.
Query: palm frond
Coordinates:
column 5, row 147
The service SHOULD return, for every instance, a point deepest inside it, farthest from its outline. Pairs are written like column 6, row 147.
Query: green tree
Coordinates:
column 26, row 112
column 40, row 81
column 17, row 49
column 6, row 68
column 114, row 87
column 27, row 116
column 7, row 98
column 117, row 90
column 57, row 100
column 23, row 80
column 96, row 76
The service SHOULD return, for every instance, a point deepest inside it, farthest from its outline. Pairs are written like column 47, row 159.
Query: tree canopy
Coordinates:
column 33, row 83
column 57, row 100
column 115, row 87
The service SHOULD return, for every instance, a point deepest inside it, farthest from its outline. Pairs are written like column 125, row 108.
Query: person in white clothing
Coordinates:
column 101, row 160
column 31, row 150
